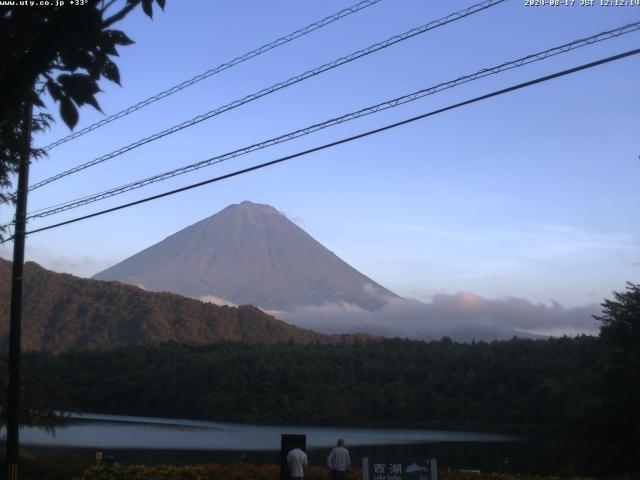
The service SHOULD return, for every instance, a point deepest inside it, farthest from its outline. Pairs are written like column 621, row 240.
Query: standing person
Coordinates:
column 339, row 461
column 297, row 460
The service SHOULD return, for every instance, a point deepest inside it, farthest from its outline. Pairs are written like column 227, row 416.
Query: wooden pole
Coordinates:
column 15, row 327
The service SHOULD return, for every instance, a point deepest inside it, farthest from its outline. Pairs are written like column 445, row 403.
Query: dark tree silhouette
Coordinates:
column 618, row 428
column 64, row 51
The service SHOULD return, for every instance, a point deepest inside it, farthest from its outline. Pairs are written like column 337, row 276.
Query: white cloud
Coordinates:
column 447, row 313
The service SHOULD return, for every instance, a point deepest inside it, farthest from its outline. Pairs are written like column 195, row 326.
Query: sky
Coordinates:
column 531, row 195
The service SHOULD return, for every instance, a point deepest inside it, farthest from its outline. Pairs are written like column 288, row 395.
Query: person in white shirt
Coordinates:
column 297, row 460
column 339, row 461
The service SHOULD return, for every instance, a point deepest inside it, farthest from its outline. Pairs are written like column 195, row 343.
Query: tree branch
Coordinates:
column 106, row 7
column 120, row 15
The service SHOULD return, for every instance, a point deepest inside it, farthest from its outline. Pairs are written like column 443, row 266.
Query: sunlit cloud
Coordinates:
column 216, row 300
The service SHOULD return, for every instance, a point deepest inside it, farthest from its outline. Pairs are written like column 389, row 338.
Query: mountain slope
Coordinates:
column 63, row 312
column 249, row 254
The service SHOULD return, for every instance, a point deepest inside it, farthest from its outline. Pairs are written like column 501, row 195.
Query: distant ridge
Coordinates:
column 249, row 253
column 63, row 312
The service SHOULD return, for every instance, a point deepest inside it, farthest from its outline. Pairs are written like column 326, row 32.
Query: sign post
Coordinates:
column 399, row 469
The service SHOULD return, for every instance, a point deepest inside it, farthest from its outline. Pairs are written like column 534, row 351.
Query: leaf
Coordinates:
column 106, row 43
column 110, row 71
column 74, row 58
column 108, row 46
column 81, row 88
column 161, row 3
column 147, row 6
column 68, row 112
column 94, row 103
column 118, row 37
column 38, row 102
column 54, row 90
column 95, row 70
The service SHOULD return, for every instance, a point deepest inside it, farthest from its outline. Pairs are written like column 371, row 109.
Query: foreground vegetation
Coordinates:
column 263, row 472
column 58, row 469
column 49, row 467
column 205, row 472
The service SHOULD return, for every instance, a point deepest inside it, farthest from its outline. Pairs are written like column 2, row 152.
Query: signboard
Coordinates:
column 399, row 469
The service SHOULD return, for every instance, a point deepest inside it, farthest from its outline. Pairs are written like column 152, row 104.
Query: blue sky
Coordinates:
column 532, row 194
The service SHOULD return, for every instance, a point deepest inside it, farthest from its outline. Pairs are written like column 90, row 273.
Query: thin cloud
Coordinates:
column 298, row 221
column 82, row 266
column 541, row 241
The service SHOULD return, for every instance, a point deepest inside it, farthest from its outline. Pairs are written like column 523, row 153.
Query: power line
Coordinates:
column 278, row 86
column 213, row 71
column 54, row 209
column 345, row 140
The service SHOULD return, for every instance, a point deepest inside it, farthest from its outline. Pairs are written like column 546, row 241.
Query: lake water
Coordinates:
column 114, row 431
column 159, row 440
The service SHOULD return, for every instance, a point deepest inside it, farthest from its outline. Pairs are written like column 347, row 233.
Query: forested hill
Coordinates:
column 63, row 312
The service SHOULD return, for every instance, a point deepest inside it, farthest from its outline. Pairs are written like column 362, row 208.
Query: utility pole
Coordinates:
column 15, row 327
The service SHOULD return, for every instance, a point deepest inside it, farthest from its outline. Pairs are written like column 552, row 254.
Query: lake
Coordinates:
column 160, row 440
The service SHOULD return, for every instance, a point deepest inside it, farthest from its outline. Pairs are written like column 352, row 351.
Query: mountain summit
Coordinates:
column 249, row 253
